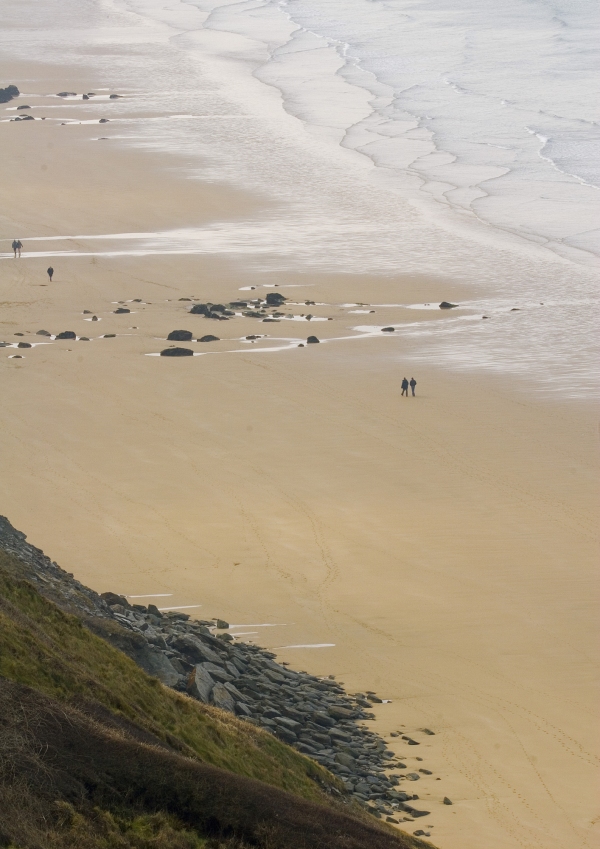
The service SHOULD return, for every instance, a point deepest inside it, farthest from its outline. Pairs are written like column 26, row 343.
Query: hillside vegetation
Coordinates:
column 96, row 753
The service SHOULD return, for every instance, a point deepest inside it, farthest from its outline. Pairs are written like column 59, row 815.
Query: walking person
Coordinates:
column 50, row 272
column 404, row 385
column 412, row 385
column 16, row 246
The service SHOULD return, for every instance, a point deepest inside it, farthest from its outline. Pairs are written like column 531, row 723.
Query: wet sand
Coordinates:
column 438, row 550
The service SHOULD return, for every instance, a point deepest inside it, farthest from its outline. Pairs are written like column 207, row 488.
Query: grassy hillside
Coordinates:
column 104, row 756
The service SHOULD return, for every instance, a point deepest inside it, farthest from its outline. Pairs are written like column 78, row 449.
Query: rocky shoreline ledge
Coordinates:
column 314, row 715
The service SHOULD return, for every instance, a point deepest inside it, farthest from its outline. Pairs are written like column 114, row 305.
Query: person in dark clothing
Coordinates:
column 412, row 384
column 50, row 272
column 16, row 246
column 404, row 385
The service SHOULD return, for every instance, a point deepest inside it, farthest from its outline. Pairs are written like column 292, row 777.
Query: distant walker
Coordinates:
column 50, row 272
column 16, row 246
column 412, row 384
column 404, row 385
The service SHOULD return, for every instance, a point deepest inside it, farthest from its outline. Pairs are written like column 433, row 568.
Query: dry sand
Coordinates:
column 443, row 544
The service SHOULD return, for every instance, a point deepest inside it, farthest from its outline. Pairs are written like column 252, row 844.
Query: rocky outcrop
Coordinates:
column 314, row 715
column 7, row 94
column 275, row 299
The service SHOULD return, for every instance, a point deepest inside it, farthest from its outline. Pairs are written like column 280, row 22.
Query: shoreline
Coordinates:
column 440, row 553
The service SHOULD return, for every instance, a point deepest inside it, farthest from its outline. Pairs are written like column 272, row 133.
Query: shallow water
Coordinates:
column 391, row 137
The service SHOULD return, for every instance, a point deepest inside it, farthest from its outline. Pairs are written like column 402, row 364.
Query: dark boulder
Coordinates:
column 388, row 329
column 67, row 334
column 209, row 338
column 312, row 340
column 24, row 345
column 85, row 97
column 200, row 309
column 7, row 94
column 113, row 598
column 121, row 310
column 222, row 698
column 275, row 299
column 67, row 94
column 103, row 121
column 177, row 352
column 114, row 96
column 446, row 305
column 200, row 684
column 180, row 336
column 43, row 333
column 24, row 106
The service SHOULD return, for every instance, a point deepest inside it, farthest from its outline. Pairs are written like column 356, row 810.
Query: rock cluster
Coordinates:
column 7, row 94
column 314, row 715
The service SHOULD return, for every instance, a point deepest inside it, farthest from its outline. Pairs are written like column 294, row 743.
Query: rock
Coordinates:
column 428, row 731
column 103, row 121
column 225, row 637
column 375, row 699
column 67, row 334
column 177, row 352
column 222, row 698
column 209, row 338
column 217, row 672
column 114, row 96
column 446, row 305
column 242, row 709
column 426, row 771
column 122, row 310
column 200, row 309
column 24, row 345
column 345, row 760
column 290, row 724
column 109, row 335
column 7, row 94
column 388, row 329
column 413, row 776
column 275, row 299
column 113, row 598
column 95, row 318
column 159, row 665
column 233, row 690
column 85, row 97
column 200, row 684
column 153, row 609
column 196, row 649
column 23, row 107
column 67, row 94
column 180, row 336
column 323, row 719
column 43, row 333
column 312, row 340
column 220, row 623
column 447, row 801
column 341, row 712
column 286, row 735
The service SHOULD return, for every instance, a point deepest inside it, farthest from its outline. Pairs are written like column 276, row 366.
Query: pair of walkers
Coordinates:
column 16, row 246
column 405, row 384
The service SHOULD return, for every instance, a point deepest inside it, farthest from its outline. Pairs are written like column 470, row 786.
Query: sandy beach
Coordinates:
column 439, row 550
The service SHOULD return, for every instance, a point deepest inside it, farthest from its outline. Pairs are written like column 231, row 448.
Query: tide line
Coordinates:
column 309, row 646
column 180, row 607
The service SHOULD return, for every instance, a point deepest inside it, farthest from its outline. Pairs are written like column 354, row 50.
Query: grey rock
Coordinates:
column 290, row 724
column 24, row 345
column 200, row 684
column 43, row 333
column 159, row 665
column 194, row 648
column 67, row 334
column 447, row 801
column 231, row 688
column 413, row 776
column 179, row 335
column 242, row 709
column 217, row 672
column 177, row 352
column 275, row 299
column 222, row 698
column 446, row 305
column 345, row 760
column 388, row 329
column 312, row 340
column 209, row 338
